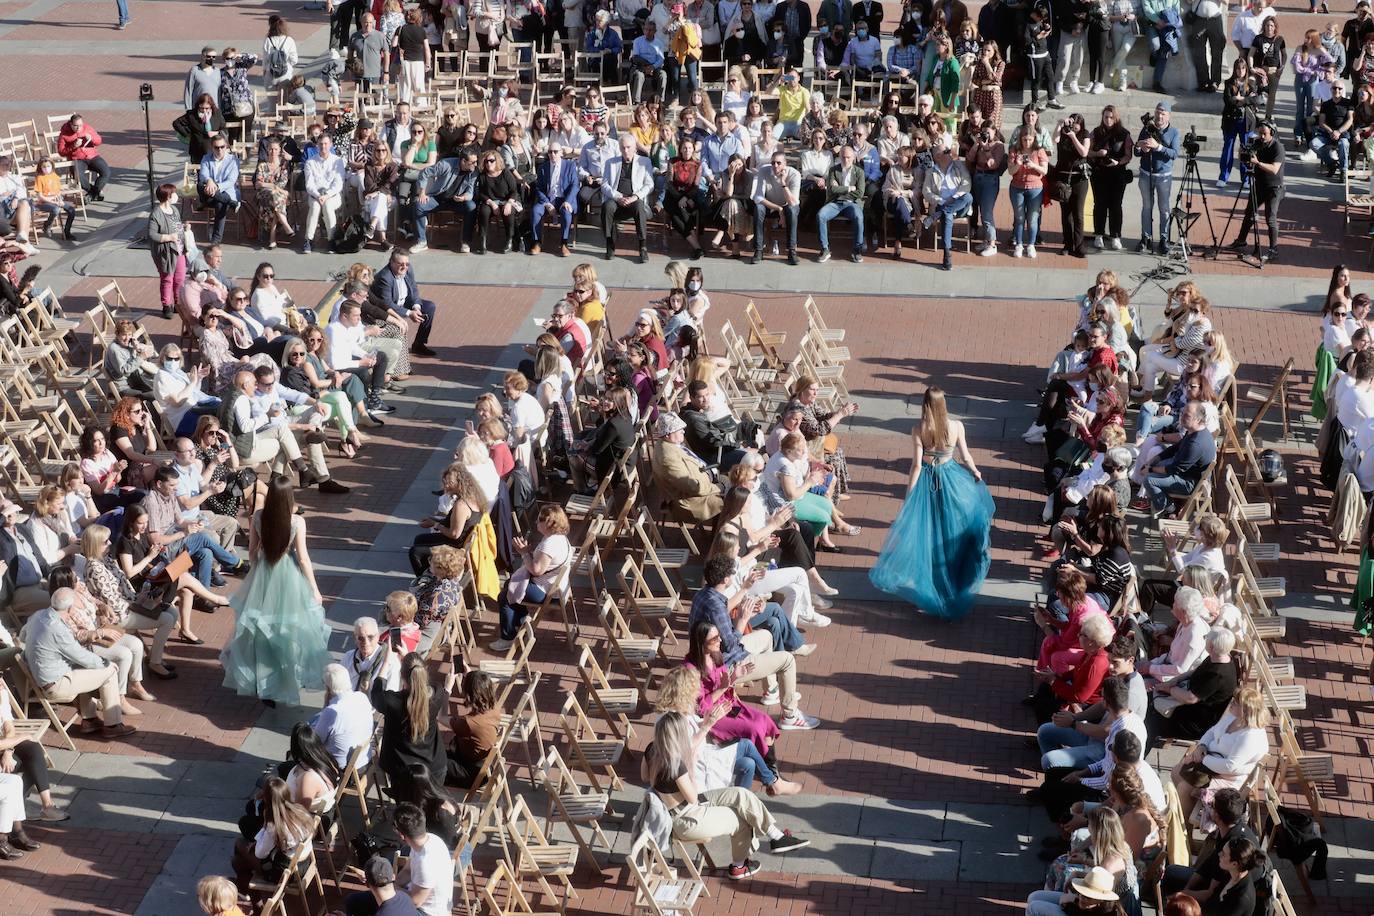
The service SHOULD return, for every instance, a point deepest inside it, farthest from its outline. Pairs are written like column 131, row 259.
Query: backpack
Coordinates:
column 350, row 235
column 277, row 64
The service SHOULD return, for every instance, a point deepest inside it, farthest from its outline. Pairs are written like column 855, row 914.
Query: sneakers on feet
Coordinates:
column 500, row 645
column 1030, row 251
column 1098, row 243
column 1144, row 245
column 1116, row 244
column 815, row 619
column 771, row 698
column 824, row 256
column 787, row 843
column 740, row 872
column 1016, row 251
column 798, row 722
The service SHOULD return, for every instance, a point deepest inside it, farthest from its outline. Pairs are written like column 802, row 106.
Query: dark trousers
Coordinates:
column 1203, row 36
column 424, row 545
column 565, row 219
column 513, row 614
column 1071, row 214
column 1097, row 52
column 223, row 203
column 347, row 15
column 684, row 210
column 1157, row 591
column 1109, row 187
column 97, row 167
column 28, row 755
column 426, row 324
column 612, row 213
column 1059, row 796
column 1038, row 72
column 52, row 210
column 373, row 379
column 789, row 219
column 1269, row 200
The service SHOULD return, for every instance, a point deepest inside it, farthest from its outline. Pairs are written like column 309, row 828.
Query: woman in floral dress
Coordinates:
column 987, row 83
column 270, row 179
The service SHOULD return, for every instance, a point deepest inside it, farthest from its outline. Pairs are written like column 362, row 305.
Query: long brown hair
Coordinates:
column 416, row 677
column 935, row 417
column 293, row 823
column 277, row 511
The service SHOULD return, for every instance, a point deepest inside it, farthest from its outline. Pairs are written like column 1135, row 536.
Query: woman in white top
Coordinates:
column 1227, row 754
column 50, row 527
column 80, row 503
column 539, row 572
column 25, row 760
column 526, row 416
column 736, row 97
column 789, row 582
column 179, row 392
column 268, row 301
column 1210, row 538
column 752, row 524
column 1188, row 647
column 279, row 55
column 472, row 454
column 285, row 826
column 570, row 134
column 787, row 478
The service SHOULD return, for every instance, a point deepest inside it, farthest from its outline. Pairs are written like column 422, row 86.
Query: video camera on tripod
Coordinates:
column 1192, row 142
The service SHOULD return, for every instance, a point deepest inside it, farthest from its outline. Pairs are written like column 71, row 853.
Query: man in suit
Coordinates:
column 681, row 474
column 26, row 572
column 555, row 188
column 449, row 184
column 625, row 188
column 394, row 286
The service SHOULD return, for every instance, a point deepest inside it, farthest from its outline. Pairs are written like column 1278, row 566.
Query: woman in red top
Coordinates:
column 494, row 434
column 1028, row 164
column 79, row 142
column 1081, row 684
column 683, row 195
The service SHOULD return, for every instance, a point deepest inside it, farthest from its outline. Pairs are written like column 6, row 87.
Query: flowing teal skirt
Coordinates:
column 280, row 642
column 936, row 553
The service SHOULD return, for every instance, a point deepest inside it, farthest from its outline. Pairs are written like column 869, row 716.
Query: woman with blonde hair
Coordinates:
column 285, row 826
column 936, row 553
column 1224, row 757
column 117, row 599
column 717, row 765
column 818, row 427
column 91, row 623
column 541, row 569
column 410, row 721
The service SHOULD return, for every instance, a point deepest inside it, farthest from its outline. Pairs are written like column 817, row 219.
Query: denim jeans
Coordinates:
column 1161, row 58
column 836, row 208
column 1150, row 421
column 786, row 636
column 900, row 208
column 789, row 221
column 420, row 210
column 566, row 218
column 1302, row 107
column 204, row 551
column 683, row 78
column 122, row 6
column 512, row 614
column 1159, row 487
column 1335, row 155
column 1232, row 134
column 1025, row 215
column 750, row 763
column 1154, row 195
column 985, row 187
column 784, row 129
column 947, row 213
column 1067, row 747
column 1123, row 39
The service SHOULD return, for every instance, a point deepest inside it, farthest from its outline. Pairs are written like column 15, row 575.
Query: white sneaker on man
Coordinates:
column 1016, row 251
column 798, row 722
column 814, row 619
column 989, row 251
column 1308, row 156
column 1116, row 243
column 418, row 247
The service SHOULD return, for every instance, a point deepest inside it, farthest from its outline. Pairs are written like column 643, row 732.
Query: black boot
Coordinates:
column 948, row 263
column 610, row 250
column 643, row 253
column 8, row 853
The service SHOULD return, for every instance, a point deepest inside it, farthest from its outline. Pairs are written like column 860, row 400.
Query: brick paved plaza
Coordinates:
column 913, row 785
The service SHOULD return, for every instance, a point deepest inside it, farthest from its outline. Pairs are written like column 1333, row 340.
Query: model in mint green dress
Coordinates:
column 280, row 642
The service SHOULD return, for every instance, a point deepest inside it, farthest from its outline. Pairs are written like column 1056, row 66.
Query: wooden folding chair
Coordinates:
column 760, row 338
column 575, row 806
column 595, row 756
column 614, row 704
column 296, row 881
column 516, row 664
column 643, row 604
column 1266, row 396
column 355, row 781
column 504, row 885
column 535, row 857
column 522, row 724
column 29, row 694
column 658, row 889
column 1253, row 477
column 636, row 654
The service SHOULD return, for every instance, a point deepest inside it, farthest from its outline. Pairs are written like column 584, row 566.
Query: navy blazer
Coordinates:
column 567, row 183
column 385, row 290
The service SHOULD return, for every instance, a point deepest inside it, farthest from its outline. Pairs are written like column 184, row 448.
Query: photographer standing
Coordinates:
column 1267, row 162
column 1157, row 147
column 1239, row 114
column 1069, row 182
column 1331, row 138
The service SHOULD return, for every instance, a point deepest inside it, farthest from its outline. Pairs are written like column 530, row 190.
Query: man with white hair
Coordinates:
column 370, row 659
column 64, row 670
column 346, row 720
column 1188, row 646
column 626, row 185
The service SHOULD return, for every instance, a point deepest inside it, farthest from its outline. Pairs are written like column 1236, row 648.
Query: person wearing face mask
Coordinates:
column 198, row 126
column 203, row 79
column 178, row 393
column 829, row 51
column 863, row 56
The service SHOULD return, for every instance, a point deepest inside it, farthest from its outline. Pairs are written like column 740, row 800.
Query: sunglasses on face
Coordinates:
column 220, row 146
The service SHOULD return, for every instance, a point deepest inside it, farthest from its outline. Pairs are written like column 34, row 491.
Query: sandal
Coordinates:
column 851, row 531
column 347, row 449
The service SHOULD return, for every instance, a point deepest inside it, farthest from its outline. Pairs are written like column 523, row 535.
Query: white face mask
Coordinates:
column 693, row 287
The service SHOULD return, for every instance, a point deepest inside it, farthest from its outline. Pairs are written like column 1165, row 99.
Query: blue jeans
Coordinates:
column 1231, row 134
column 1067, row 747
column 786, row 636
column 1154, row 195
column 1150, row 422
column 947, row 213
column 419, row 212
column 123, row 7
column 223, row 202
column 789, row 222
column 1161, row 56
column 1302, row 99
column 1159, row 487
column 784, row 129
column 1333, row 155
column 204, row 551
column 1025, row 215
column 985, row 187
column 750, row 763
column 835, row 208
column 512, row 614
column 683, row 78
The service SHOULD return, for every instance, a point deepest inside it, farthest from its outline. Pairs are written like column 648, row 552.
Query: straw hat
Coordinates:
column 1097, row 884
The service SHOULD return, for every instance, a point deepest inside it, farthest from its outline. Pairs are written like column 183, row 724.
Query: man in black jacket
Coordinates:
column 712, row 440
column 1208, row 877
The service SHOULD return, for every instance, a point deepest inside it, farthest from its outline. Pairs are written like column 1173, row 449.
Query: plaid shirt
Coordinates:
column 904, row 57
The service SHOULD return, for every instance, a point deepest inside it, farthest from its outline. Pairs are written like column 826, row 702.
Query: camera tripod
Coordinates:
column 1182, row 219
column 1246, row 190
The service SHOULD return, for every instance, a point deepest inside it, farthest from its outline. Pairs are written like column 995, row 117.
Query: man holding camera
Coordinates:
column 1331, row 140
column 1157, row 147
column 1266, row 163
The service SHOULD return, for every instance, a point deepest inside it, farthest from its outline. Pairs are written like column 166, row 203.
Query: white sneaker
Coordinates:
column 500, row 645
column 771, row 698
column 1116, row 244
column 30, row 250
column 798, row 722
column 1097, row 88
column 418, row 246
column 1121, row 84
column 1073, row 89
column 1035, row 429
column 820, row 601
column 1016, row 251
column 1221, row 184
column 1308, row 156
column 1058, row 88
column 815, row 619
column 988, row 251
column 1030, row 251
column 1037, row 438
column 1097, row 242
